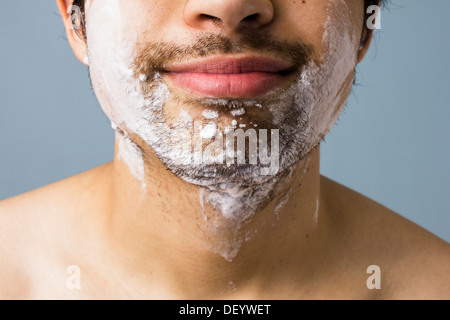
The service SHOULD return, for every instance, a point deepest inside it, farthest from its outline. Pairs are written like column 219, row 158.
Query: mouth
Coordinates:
column 225, row 77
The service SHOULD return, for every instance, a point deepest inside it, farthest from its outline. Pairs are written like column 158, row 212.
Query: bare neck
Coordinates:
column 165, row 229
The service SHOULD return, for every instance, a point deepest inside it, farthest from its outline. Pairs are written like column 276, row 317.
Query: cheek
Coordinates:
column 110, row 47
column 155, row 20
column 340, row 43
column 112, row 43
column 315, row 20
column 301, row 21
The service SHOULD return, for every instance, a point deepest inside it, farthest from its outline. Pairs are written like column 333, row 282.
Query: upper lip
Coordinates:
column 229, row 65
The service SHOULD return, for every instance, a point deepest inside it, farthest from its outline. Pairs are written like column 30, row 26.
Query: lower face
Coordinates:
column 144, row 73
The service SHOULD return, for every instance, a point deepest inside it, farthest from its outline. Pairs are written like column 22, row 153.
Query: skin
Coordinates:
column 151, row 245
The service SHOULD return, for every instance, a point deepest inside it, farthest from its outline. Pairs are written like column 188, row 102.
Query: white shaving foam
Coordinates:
column 130, row 153
column 316, row 214
column 210, row 114
column 209, row 131
column 238, row 112
column 281, row 204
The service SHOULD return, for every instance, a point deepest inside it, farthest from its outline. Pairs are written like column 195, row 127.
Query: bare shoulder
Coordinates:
column 415, row 264
column 35, row 227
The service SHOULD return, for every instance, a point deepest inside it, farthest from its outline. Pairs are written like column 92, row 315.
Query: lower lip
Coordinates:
column 239, row 85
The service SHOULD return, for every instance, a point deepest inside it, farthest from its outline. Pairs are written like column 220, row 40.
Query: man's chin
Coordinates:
column 222, row 176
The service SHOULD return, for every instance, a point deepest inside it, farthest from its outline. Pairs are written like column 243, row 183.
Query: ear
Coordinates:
column 72, row 18
column 366, row 39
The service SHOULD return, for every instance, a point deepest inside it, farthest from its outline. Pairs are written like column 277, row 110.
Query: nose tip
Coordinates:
column 228, row 15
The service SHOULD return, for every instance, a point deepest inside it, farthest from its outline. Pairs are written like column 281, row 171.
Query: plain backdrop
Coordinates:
column 392, row 142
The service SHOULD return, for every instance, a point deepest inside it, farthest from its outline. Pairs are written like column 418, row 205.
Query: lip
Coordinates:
column 225, row 77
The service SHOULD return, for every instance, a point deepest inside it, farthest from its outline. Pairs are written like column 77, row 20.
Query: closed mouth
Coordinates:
column 225, row 77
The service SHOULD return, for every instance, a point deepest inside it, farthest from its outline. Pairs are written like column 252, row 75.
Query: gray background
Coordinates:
column 392, row 143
